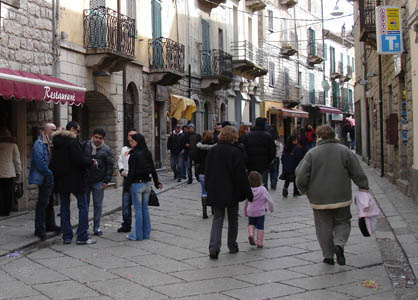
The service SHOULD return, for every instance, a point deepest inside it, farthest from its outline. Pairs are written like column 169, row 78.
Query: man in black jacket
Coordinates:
column 69, row 166
column 191, row 140
column 175, row 147
column 260, row 148
column 98, row 177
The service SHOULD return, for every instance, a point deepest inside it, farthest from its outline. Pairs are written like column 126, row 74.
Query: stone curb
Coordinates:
column 104, row 213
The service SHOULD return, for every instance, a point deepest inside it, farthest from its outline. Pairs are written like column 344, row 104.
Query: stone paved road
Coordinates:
column 174, row 264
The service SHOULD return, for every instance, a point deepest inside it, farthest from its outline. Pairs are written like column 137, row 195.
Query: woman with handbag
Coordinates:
column 10, row 170
column 141, row 166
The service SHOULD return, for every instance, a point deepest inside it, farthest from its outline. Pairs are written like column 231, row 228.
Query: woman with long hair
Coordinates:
column 141, row 166
column 292, row 154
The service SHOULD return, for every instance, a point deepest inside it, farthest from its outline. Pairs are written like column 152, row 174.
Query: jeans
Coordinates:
column 216, row 231
column 185, row 165
column 44, row 212
column 265, row 176
column 98, row 193
column 295, row 188
column 202, row 183
column 140, row 195
column 83, row 217
column 176, row 161
column 258, row 222
column 126, row 208
column 274, row 171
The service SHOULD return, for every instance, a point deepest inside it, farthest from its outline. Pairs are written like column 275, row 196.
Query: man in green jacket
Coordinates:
column 325, row 175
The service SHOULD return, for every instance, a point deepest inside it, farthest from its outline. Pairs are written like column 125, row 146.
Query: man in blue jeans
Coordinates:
column 99, row 176
column 41, row 175
column 123, row 165
column 69, row 167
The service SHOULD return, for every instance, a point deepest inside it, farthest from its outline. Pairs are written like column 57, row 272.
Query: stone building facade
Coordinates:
column 27, row 44
column 396, row 94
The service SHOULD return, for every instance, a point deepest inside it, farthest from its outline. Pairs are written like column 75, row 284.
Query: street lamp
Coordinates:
column 337, row 12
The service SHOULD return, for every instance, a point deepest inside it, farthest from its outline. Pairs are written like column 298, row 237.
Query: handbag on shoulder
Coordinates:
column 153, row 199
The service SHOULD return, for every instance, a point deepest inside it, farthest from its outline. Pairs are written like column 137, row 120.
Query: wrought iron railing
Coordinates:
column 367, row 9
column 245, row 51
column 165, row 53
column 105, row 28
column 216, row 63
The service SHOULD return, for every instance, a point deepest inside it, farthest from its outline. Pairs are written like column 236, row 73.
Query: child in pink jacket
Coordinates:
column 255, row 210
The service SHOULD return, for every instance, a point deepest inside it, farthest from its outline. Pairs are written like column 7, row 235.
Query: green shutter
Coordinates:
column 325, row 52
column 326, row 92
column 312, row 88
column 206, row 53
column 342, row 59
column 156, row 19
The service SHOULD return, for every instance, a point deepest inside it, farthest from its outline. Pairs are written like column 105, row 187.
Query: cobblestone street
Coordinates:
column 174, row 264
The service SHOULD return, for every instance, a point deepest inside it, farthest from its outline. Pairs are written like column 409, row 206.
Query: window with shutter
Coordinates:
column 207, row 70
column 311, row 42
column 270, row 14
column 157, row 46
column 286, row 83
column 271, row 74
column 312, row 88
column 332, row 59
column 325, row 52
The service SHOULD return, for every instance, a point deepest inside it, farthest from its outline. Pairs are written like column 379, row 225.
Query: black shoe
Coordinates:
column 184, row 177
column 339, row 252
column 179, row 180
column 329, row 261
column 296, row 194
column 55, row 228
column 273, row 187
column 214, row 255
column 285, row 192
column 233, row 251
column 124, row 229
column 42, row 236
column 189, row 181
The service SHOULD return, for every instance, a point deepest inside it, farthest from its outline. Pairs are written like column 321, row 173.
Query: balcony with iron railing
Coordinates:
column 288, row 3
column 109, row 38
column 216, row 69
column 315, row 53
column 166, row 61
column 248, row 61
column 367, row 18
column 256, row 5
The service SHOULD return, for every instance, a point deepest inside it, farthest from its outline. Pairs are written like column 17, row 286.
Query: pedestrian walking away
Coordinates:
column 10, row 170
column 191, row 140
column 292, row 154
column 255, row 210
column 41, row 175
column 260, row 148
column 203, row 149
column 325, row 175
column 275, row 166
column 141, row 166
column 98, row 175
column 176, row 146
column 69, row 167
column 185, row 131
column 227, row 184
column 123, row 166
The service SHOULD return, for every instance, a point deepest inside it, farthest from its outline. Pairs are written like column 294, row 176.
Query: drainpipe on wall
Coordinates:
column 297, row 53
column 364, row 62
column 57, row 64
column 382, row 157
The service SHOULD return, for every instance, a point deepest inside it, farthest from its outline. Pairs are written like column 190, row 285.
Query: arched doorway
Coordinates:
column 206, row 116
column 129, row 110
column 223, row 112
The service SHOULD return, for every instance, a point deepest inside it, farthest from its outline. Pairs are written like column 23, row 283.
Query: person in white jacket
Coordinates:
column 123, row 167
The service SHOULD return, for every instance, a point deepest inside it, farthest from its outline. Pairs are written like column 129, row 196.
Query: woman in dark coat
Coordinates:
column 227, row 184
column 293, row 153
column 203, row 149
column 141, row 166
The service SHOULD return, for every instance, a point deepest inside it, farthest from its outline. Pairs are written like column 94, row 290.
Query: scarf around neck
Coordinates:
column 94, row 147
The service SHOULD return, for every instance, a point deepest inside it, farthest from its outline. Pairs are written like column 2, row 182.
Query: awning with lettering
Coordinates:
column 182, row 107
column 292, row 113
column 19, row 85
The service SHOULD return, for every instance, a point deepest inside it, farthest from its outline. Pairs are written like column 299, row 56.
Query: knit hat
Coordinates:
column 226, row 123
column 191, row 125
column 260, row 122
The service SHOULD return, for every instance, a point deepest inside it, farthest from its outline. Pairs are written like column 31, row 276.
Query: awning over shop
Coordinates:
column 292, row 113
column 328, row 109
column 21, row 85
column 182, row 107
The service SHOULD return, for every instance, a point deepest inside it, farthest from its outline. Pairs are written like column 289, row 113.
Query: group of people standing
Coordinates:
column 62, row 164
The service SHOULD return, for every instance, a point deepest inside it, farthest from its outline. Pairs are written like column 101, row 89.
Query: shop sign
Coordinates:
column 389, row 30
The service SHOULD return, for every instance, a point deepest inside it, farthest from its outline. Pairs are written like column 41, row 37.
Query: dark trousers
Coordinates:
column 333, row 228
column 83, row 217
column 44, row 211
column 176, row 161
column 6, row 196
column 295, row 188
column 217, row 224
column 190, row 167
column 126, row 207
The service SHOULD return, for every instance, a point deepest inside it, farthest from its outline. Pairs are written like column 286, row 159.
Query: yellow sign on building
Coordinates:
column 392, row 17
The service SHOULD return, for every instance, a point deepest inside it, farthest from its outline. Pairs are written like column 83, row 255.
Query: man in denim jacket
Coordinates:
column 41, row 175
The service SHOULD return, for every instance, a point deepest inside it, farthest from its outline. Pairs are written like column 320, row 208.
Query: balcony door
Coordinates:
column 157, row 41
column 206, row 53
column 312, row 42
column 98, row 24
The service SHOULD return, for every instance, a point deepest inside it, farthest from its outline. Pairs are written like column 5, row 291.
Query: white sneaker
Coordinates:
column 86, row 242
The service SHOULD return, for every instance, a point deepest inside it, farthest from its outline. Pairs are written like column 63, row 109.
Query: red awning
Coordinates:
column 329, row 109
column 292, row 113
column 21, row 85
